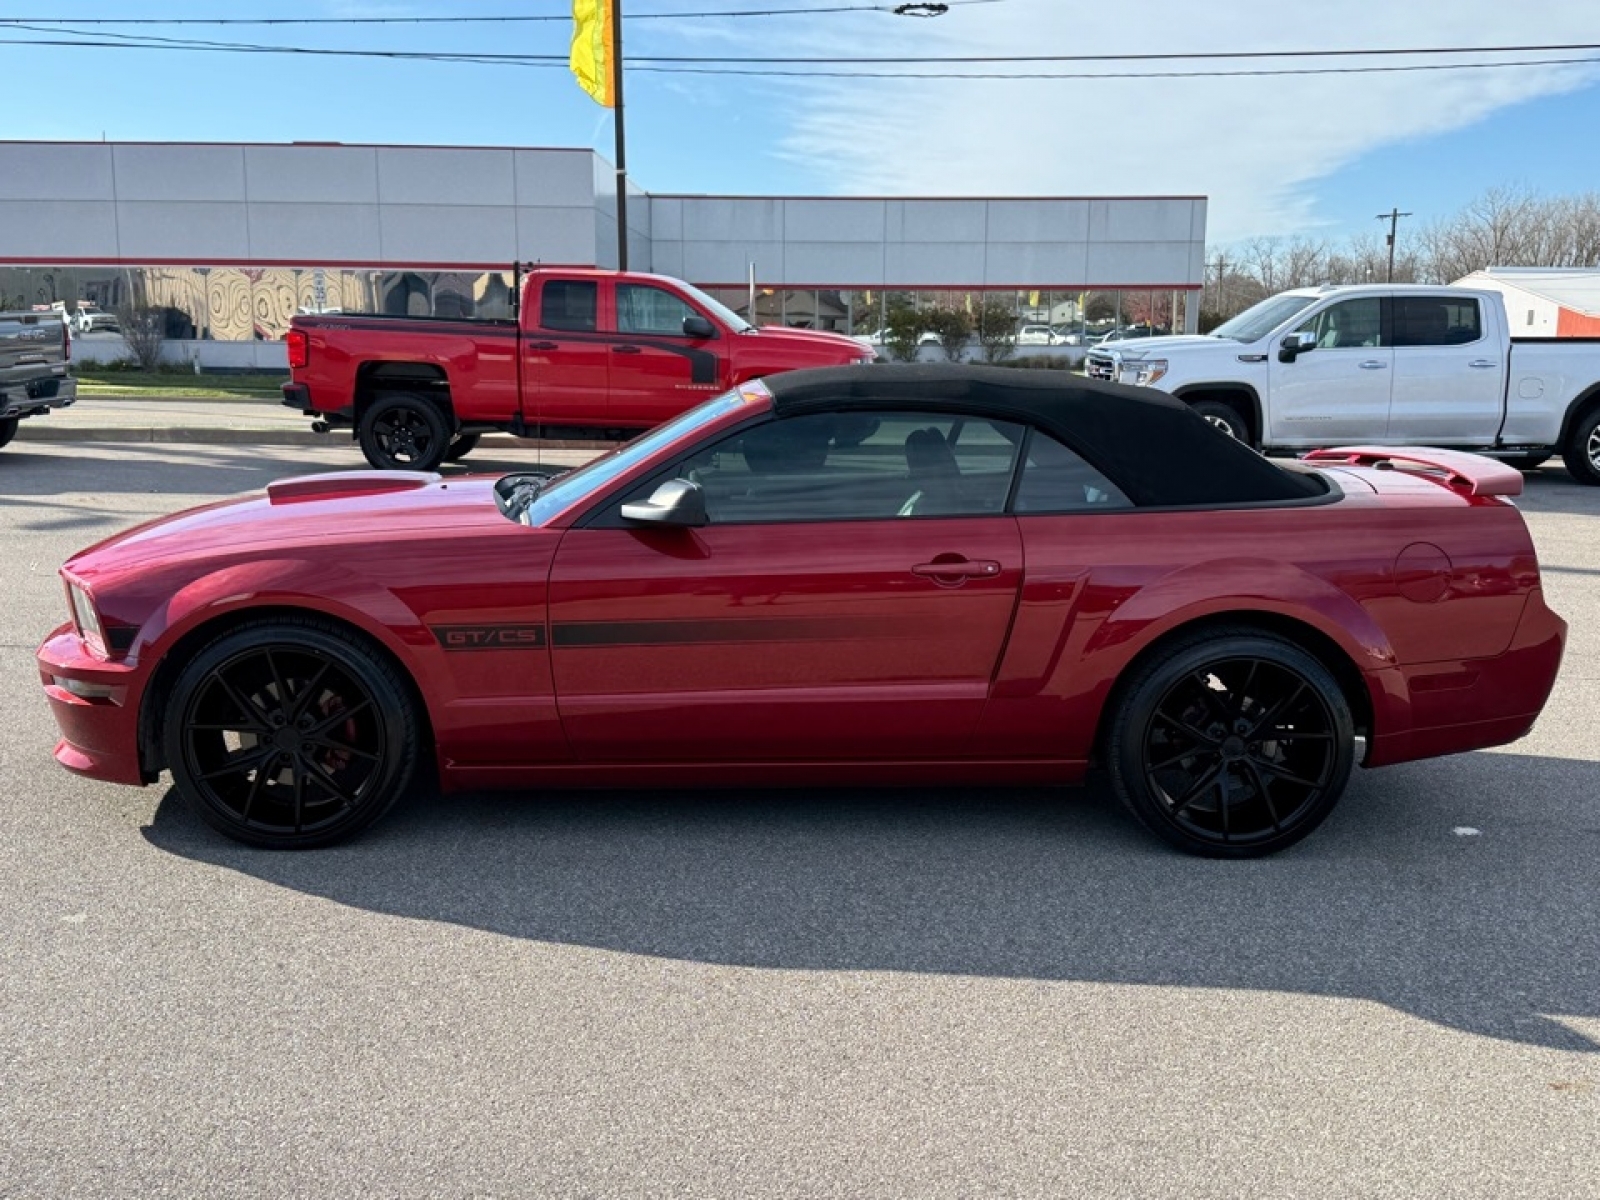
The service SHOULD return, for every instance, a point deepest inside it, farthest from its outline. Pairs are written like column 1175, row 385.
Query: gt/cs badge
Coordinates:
column 489, row 637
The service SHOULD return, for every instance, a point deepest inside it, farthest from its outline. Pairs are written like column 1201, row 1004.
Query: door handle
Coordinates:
column 1483, row 364
column 541, row 346
column 1373, row 364
column 625, row 350
column 955, row 572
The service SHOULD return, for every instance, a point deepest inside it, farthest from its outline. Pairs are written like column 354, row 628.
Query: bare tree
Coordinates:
column 144, row 329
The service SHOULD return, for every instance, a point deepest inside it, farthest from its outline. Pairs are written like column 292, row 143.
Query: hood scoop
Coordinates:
column 338, row 484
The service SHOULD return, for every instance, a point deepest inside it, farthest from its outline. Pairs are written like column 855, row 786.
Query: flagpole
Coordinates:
column 622, row 153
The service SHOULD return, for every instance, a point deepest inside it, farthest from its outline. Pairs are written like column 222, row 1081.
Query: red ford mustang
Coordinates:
column 918, row 575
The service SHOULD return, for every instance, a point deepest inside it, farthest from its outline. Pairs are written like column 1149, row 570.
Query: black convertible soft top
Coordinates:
column 1151, row 445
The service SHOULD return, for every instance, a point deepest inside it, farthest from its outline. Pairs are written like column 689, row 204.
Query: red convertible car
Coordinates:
column 874, row 575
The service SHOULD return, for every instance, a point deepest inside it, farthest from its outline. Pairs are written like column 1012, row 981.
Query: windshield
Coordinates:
column 1261, row 319
column 732, row 319
column 561, row 491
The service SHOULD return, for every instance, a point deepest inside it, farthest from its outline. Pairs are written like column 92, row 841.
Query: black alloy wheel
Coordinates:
column 404, row 432
column 1232, row 745
column 289, row 734
column 1225, row 417
column 1582, row 451
column 462, row 445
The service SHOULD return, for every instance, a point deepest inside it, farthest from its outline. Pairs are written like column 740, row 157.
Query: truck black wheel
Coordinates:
column 463, row 445
column 1231, row 743
column 1225, row 417
column 8, row 430
column 288, row 734
column 1582, row 451
column 404, row 432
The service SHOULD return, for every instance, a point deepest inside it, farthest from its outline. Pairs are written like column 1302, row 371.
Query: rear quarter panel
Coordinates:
column 1545, row 377
column 1101, row 588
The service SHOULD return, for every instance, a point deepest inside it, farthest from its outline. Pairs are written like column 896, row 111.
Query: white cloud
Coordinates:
column 1255, row 146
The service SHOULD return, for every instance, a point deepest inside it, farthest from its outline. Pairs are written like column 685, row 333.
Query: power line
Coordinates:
column 719, row 66
column 152, row 41
column 563, row 17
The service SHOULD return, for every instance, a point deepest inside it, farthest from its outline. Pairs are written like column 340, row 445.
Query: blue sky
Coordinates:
column 1314, row 155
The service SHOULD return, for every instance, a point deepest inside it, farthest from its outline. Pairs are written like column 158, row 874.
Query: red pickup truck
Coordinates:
column 590, row 353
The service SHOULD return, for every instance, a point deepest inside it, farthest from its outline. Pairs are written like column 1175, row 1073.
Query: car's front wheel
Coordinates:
column 8, row 430
column 404, row 432
column 289, row 734
column 1231, row 743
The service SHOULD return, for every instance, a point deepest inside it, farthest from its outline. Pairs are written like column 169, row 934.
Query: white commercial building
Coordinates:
column 233, row 240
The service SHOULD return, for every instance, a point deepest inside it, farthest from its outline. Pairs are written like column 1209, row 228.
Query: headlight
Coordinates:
column 1143, row 373
column 87, row 619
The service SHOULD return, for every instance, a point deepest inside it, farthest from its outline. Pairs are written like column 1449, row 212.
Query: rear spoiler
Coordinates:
column 1471, row 473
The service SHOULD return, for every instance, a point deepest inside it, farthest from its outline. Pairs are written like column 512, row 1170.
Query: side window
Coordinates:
column 1348, row 323
column 857, row 467
column 568, row 304
column 645, row 309
column 1436, row 321
column 1056, row 480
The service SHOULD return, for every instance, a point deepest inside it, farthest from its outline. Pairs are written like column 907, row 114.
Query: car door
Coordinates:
column 848, row 598
column 566, row 359
column 657, row 370
column 1341, row 390
column 1449, row 376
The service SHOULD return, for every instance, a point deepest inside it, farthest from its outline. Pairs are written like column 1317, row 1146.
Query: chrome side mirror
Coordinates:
column 676, row 502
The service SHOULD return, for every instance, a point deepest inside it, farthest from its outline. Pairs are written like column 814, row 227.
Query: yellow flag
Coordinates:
column 592, row 49
column 1033, row 299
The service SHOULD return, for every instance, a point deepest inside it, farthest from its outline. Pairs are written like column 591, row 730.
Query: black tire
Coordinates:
column 1582, row 451
column 404, row 432
column 1186, row 755
column 289, row 734
column 463, row 445
column 8, row 430
column 1526, row 462
column 1225, row 417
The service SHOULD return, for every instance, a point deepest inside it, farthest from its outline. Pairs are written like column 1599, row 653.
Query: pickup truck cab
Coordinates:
column 35, row 348
column 1381, row 365
column 591, row 353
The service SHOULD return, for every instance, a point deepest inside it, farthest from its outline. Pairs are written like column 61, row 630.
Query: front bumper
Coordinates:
column 100, row 729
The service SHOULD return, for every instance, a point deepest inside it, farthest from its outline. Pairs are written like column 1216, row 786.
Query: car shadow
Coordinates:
column 1462, row 891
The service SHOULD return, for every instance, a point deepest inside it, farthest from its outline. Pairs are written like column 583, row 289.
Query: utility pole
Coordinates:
column 622, row 152
column 1393, row 217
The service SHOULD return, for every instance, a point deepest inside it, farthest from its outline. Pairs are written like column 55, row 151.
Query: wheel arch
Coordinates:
column 1585, row 403
column 384, row 376
column 201, row 624
column 1302, row 633
column 1242, row 396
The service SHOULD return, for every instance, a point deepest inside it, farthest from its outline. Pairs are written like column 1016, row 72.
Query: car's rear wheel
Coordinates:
column 462, row 445
column 289, row 734
column 8, row 430
column 1582, row 451
column 1225, row 417
column 403, row 431
column 1231, row 744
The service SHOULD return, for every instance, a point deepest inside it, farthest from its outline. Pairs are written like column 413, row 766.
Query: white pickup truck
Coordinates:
column 1384, row 365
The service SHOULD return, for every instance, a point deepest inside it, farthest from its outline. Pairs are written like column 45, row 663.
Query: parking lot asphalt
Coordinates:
column 844, row 993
